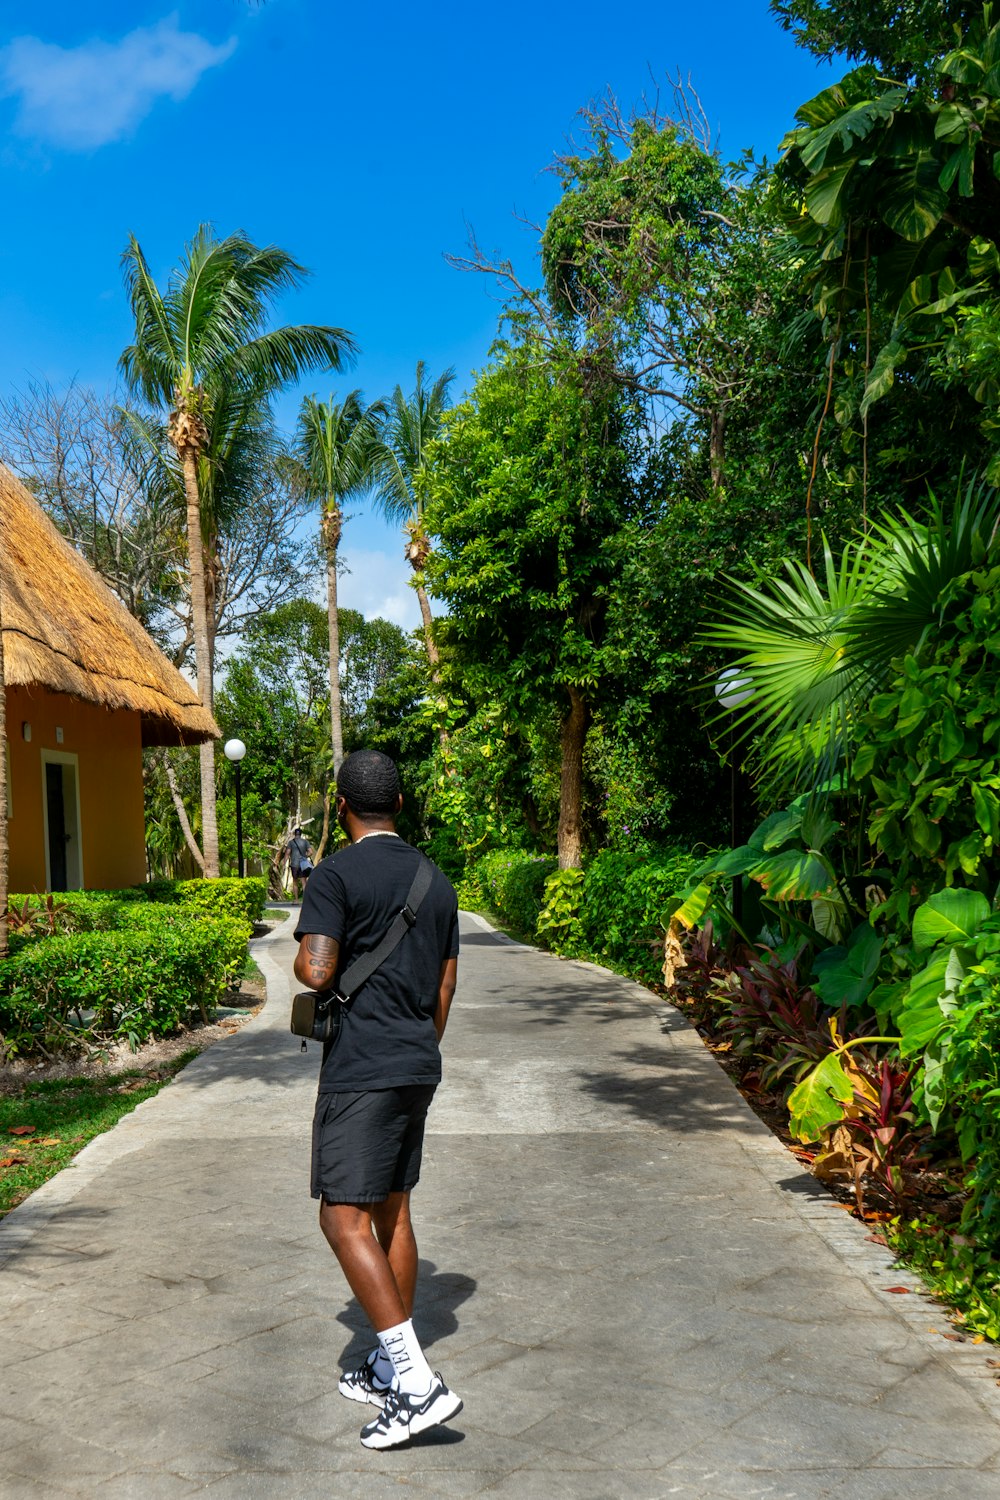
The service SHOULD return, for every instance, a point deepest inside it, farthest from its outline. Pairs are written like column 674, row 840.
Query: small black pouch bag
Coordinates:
column 317, row 1014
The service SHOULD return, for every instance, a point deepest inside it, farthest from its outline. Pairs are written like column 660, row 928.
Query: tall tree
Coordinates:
column 412, row 424
column 199, row 344
column 335, row 449
column 528, row 497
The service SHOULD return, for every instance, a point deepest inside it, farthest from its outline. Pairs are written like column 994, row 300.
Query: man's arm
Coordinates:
column 446, row 994
column 316, row 961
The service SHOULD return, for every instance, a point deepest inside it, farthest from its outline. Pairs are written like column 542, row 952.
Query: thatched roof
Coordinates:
column 64, row 630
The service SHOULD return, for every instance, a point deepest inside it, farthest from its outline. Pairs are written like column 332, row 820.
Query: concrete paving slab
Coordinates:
column 636, row 1290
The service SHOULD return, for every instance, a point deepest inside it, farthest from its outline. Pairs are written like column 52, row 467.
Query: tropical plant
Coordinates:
column 816, row 652
column 410, row 425
column 202, row 346
column 890, row 183
column 336, row 454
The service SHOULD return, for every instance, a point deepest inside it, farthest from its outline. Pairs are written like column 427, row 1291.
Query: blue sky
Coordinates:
column 364, row 140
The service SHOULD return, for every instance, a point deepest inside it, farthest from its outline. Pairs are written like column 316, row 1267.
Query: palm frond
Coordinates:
column 816, row 652
column 410, row 425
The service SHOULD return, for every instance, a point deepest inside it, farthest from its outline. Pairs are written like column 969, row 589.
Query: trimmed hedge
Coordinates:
column 229, row 896
column 123, row 965
column 62, row 992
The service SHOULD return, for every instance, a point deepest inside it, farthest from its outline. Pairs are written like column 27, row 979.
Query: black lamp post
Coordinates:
column 732, row 689
column 235, row 750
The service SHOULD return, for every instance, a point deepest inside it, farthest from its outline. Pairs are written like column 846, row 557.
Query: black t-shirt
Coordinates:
column 387, row 1038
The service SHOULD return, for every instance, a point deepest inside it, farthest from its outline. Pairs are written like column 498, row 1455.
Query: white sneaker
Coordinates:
column 363, row 1384
column 403, row 1416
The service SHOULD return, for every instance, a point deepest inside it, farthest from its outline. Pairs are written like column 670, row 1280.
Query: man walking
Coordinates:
column 377, row 1080
column 300, row 864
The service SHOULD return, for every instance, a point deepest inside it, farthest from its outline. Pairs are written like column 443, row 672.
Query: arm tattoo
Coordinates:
column 320, row 956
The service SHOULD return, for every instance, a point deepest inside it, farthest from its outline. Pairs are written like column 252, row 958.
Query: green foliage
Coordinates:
column 961, row 1272
column 900, row 37
column 240, row 899
column 65, row 992
column 513, row 882
column 889, row 197
column 126, row 965
column 929, row 763
column 816, row 652
column 559, row 919
column 627, row 901
column 527, row 495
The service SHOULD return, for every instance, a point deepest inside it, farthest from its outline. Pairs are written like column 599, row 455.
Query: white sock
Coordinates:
column 382, row 1365
column 411, row 1369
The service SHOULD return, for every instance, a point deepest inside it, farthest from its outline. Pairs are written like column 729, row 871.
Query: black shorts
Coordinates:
column 366, row 1146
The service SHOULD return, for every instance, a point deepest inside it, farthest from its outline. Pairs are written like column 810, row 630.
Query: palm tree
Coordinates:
column 200, row 344
column 411, row 426
column 816, row 652
column 335, row 449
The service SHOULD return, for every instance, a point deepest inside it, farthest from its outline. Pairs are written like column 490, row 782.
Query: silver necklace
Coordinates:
column 379, row 833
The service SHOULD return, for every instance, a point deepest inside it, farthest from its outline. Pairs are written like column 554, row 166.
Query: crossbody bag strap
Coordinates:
column 362, row 969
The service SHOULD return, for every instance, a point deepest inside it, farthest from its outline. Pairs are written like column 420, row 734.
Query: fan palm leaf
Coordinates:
column 816, row 651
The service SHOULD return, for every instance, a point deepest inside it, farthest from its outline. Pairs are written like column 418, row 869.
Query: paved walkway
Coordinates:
column 632, row 1285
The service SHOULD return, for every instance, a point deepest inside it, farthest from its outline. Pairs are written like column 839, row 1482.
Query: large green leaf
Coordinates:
column 794, row 875
column 823, row 192
column 696, row 905
column 914, row 200
column 815, row 1103
column 952, row 916
column 928, row 1001
column 844, row 976
column 883, row 371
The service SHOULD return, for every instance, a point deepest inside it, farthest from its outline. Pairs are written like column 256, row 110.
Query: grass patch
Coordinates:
column 58, row 1116
column 276, row 914
column 251, row 970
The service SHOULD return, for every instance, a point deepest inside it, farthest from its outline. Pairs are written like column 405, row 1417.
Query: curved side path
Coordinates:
column 632, row 1285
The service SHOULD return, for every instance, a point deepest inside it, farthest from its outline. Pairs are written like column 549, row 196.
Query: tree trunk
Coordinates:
column 433, row 655
column 202, row 656
column 4, row 828
column 571, row 737
column 717, row 446
column 181, row 811
column 331, row 538
column 326, row 826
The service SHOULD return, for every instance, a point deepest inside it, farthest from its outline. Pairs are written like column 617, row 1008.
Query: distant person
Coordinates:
column 300, row 861
column 377, row 1080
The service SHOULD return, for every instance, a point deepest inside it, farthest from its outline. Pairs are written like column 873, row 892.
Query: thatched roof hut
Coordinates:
column 64, row 630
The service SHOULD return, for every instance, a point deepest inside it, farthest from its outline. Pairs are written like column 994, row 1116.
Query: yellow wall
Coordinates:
column 108, row 745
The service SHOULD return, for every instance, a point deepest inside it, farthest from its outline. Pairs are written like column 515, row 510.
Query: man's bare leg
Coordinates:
column 348, row 1231
column 394, row 1229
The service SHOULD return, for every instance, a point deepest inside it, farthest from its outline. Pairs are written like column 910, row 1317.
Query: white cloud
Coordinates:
column 377, row 584
column 83, row 97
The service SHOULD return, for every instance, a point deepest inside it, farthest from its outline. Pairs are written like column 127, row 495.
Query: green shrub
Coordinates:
column 122, row 966
column 558, row 925
column 85, row 987
column 625, row 903
column 512, row 882
column 229, row 934
column 230, row 897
